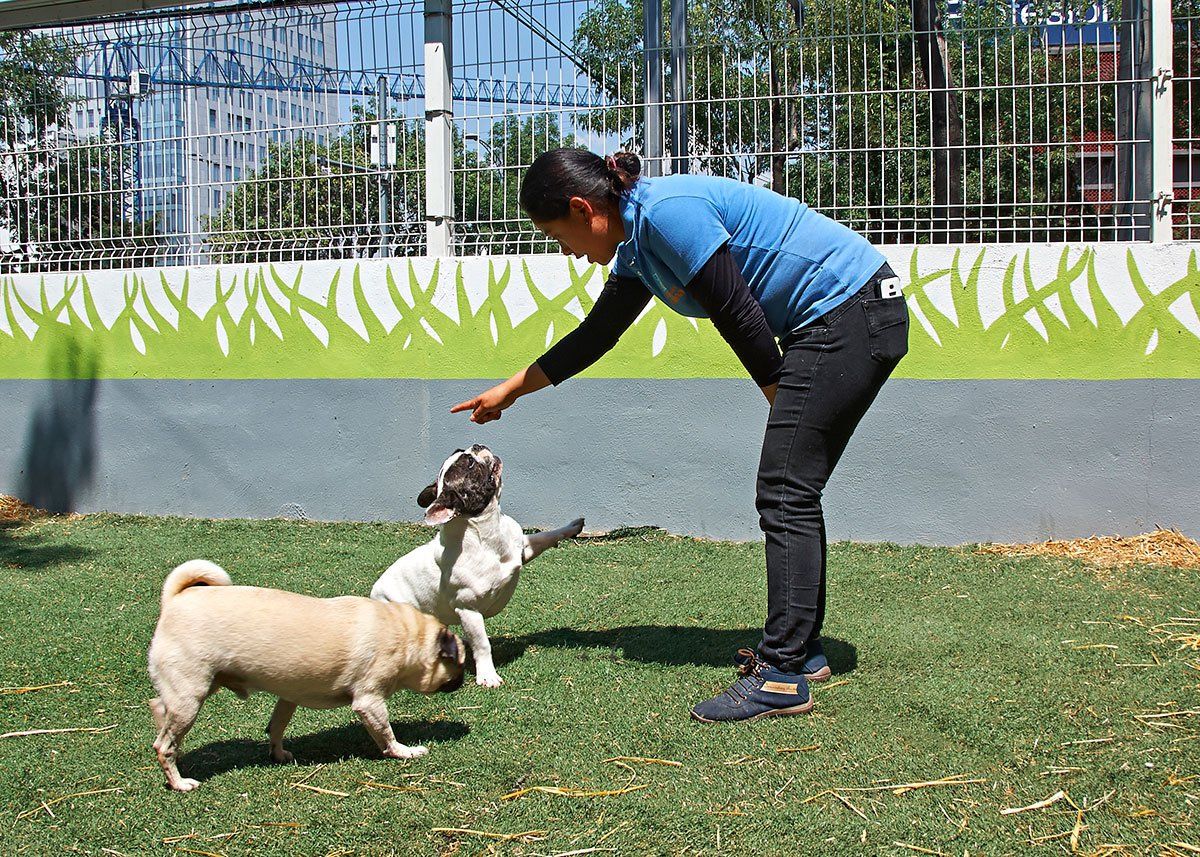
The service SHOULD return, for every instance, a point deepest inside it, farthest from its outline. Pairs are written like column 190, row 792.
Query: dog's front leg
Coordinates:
column 538, row 542
column 280, row 719
column 481, row 647
column 373, row 712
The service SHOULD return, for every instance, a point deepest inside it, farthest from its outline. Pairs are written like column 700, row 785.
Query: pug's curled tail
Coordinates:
column 194, row 572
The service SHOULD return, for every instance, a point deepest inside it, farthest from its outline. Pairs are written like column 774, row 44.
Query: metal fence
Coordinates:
column 277, row 131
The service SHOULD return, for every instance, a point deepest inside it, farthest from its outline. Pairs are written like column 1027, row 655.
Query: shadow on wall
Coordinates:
column 60, row 444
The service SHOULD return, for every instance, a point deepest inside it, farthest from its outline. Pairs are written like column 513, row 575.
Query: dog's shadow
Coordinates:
column 317, row 748
column 671, row 645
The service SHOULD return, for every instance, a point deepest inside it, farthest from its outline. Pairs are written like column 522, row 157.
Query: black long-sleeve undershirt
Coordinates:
column 718, row 287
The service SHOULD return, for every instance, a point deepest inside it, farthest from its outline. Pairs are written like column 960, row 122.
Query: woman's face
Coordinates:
column 586, row 231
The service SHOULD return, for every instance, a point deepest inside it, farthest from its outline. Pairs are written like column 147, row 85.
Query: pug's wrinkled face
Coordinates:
column 469, row 482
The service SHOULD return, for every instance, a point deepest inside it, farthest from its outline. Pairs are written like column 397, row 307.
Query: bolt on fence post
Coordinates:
column 1162, row 135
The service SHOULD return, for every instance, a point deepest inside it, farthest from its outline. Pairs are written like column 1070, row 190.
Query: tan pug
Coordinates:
column 311, row 652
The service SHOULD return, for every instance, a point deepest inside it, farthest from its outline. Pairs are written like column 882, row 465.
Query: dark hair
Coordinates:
column 560, row 174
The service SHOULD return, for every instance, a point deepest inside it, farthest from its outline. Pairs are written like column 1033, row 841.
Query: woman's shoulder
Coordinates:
column 681, row 195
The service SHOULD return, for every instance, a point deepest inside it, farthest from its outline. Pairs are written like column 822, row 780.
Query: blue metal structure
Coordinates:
column 224, row 69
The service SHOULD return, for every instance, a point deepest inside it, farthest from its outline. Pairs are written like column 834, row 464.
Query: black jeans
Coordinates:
column 832, row 371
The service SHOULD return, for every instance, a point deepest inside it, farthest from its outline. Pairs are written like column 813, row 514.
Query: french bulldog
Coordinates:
column 469, row 570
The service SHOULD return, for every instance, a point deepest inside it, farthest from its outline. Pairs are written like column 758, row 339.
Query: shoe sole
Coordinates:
column 823, row 674
column 802, row 708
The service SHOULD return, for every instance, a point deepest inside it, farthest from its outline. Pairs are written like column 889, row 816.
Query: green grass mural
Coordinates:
column 259, row 323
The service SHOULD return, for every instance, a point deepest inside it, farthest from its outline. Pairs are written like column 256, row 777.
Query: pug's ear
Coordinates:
column 428, row 495
column 448, row 646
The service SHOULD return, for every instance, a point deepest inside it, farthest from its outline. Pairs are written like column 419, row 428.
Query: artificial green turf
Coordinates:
column 947, row 663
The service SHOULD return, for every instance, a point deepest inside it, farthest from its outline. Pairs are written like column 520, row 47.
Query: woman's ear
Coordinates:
column 580, row 207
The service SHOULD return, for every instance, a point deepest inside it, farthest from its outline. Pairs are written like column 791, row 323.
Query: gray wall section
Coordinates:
column 940, row 462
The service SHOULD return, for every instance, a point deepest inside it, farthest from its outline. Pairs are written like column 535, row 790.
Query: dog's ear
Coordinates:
column 428, row 495
column 448, row 647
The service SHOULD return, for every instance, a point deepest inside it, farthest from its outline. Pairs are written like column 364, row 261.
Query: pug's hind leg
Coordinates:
column 373, row 712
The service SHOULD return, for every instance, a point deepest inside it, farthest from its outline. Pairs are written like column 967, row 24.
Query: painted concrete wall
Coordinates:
column 1049, row 391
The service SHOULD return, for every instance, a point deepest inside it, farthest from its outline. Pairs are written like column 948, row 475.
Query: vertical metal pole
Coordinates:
column 1162, row 133
column 679, row 112
column 1134, row 107
column 653, row 73
column 439, row 129
column 385, row 214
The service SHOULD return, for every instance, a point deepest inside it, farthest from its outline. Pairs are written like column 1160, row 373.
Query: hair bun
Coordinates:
column 628, row 163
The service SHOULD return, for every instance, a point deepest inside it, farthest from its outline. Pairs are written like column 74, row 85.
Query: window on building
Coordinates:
column 212, row 120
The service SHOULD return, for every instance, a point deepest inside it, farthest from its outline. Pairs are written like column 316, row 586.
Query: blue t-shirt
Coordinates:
column 798, row 263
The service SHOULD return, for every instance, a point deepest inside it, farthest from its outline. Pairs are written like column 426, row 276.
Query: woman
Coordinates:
column 760, row 266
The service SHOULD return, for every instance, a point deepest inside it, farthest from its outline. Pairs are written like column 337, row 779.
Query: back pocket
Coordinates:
column 887, row 328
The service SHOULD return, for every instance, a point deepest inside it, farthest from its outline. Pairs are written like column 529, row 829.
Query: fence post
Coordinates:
column 439, row 128
column 652, row 68
column 679, row 119
column 1162, row 135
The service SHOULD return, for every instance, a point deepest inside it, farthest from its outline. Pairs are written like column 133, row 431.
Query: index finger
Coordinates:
column 468, row 405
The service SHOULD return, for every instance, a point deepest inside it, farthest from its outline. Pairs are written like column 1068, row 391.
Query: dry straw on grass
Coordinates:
column 1161, row 547
column 17, row 511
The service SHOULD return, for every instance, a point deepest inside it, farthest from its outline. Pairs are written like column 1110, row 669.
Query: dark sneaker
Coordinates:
column 816, row 665
column 761, row 691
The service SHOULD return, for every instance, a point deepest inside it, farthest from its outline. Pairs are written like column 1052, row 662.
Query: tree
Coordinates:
column 857, row 137
column 312, row 201
column 60, row 205
column 489, row 216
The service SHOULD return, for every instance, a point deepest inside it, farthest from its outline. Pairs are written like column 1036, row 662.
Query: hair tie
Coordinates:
column 611, row 162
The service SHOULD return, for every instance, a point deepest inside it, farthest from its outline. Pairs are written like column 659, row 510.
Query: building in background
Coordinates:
column 217, row 96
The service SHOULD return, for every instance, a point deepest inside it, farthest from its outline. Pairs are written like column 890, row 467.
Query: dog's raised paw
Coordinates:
column 575, row 528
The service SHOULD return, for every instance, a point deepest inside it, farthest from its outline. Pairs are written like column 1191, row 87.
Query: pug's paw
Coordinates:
column 402, row 751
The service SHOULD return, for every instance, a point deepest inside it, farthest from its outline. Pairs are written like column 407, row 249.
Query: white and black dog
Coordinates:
column 469, row 571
